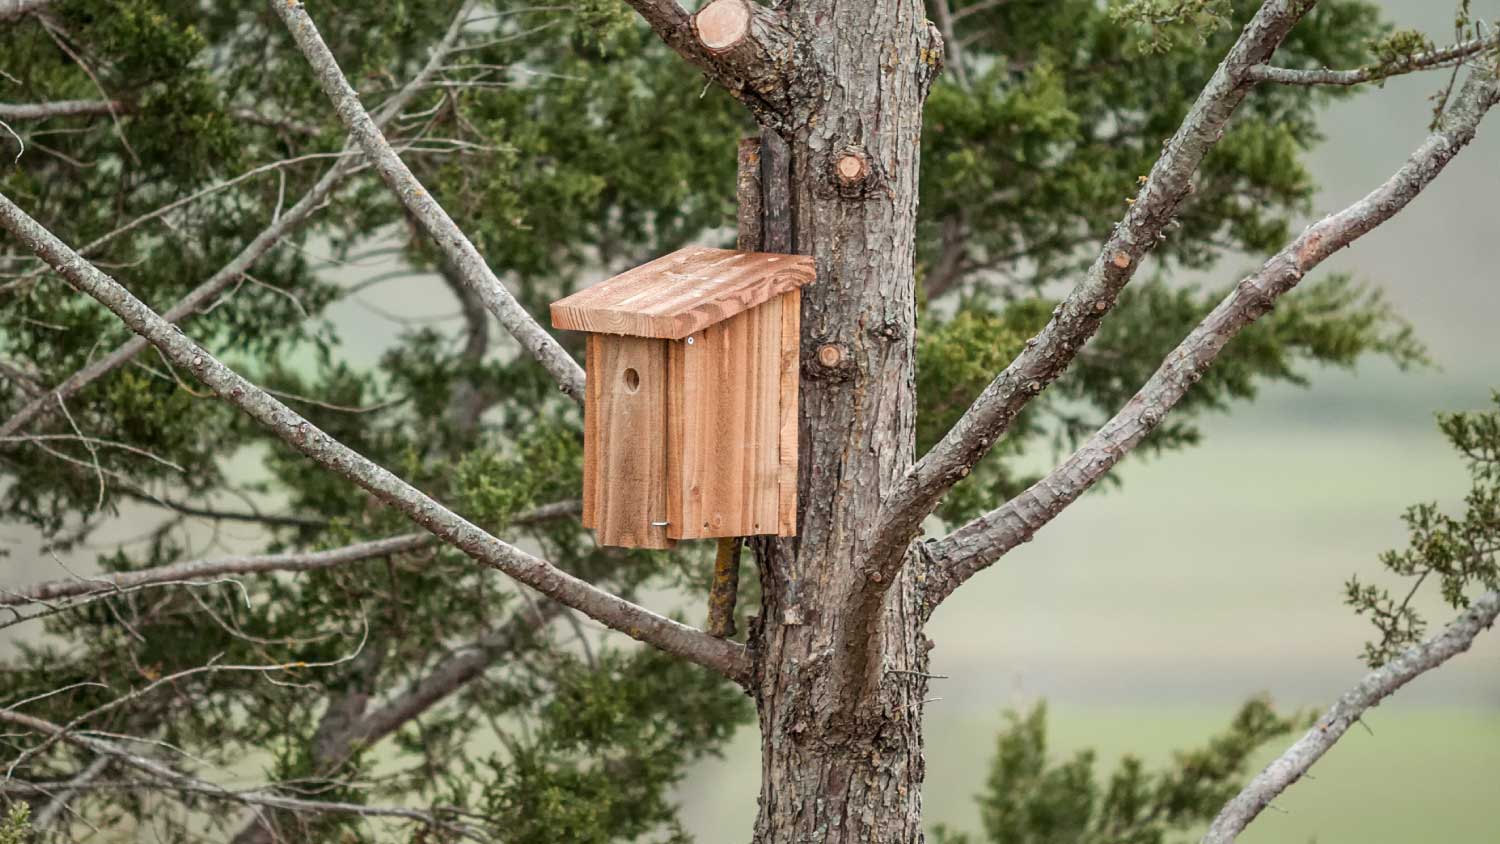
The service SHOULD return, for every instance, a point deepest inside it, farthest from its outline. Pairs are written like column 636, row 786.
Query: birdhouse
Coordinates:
column 690, row 415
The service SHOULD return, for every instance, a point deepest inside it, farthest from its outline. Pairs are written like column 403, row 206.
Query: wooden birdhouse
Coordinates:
column 690, row 416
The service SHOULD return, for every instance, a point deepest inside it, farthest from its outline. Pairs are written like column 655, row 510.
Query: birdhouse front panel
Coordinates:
column 625, row 441
column 690, row 414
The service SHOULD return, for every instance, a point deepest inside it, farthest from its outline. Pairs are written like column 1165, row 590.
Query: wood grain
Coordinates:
column 724, row 434
column 686, row 291
column 625, row 442
column 790, row 377
column 722, row 24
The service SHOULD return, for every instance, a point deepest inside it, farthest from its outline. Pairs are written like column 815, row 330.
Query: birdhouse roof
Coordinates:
column 686, row 291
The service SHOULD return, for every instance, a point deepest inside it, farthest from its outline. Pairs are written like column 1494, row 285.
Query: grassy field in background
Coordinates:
column 1425, row 775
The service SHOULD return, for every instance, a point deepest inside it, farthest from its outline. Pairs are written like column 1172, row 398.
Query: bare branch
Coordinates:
column 465, row 260
column 960, row 555
column 453, row 674
column 194, row 570
column 172, row 680
column 13, row 9
column 110, row 108
column 346, row 726
column 1445, row 57
column 59, row 108
column 728, row 658
column 173, row 779
column 59, row 802
column 1074, row 321
column 25, row 381
column 550, row 512
column 1375, row 687
column 145, row 496
column 206, row 569
column 202, row 296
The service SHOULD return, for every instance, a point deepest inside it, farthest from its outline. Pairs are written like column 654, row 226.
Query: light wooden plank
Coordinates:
column 590, row 429
column 625, row 441
column 684, row 292
column 791, row 379
column 724, row 439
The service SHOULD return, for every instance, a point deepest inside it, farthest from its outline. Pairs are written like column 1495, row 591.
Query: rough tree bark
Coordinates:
column 840, row 706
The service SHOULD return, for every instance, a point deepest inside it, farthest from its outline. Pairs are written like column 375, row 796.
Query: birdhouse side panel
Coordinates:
column 625, row 441
column 724, row 435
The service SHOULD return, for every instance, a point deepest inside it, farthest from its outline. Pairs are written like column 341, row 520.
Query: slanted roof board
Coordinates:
column 686, row 291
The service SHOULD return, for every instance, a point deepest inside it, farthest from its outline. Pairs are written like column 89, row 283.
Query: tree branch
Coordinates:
column 448, row 677
column 53, row 590
column 1445, row 57
column 110, row 108
column 470, row 397
column 12, row 9
column 204, row 294
column 193, row 570
column 1375, row 687
column 59, row 802
column 176, row 780
column 145, row 496
column 465, row 260
column 973, row 547
column 346, row 726
column 727, row 658
column 60, row 108
column 1074, row 321
column 745, row 47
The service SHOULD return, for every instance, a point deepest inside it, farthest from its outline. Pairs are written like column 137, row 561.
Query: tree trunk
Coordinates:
column 840, row 699
column 829, row 772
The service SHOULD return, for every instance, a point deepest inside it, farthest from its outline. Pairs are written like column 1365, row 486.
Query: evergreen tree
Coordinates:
column 370, row 678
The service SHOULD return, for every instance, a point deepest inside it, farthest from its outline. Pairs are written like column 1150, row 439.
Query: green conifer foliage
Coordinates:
column 1032, row 798
column 1453, row 555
